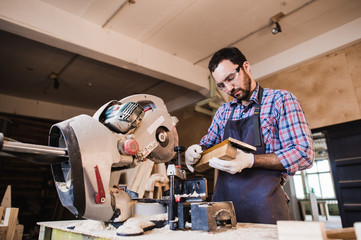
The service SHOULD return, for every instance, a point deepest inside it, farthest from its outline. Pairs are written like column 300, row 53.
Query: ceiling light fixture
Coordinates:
column 54, row 76
column 276, row 28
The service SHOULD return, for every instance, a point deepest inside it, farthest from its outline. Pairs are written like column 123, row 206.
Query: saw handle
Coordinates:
column 179, row 150
column 100, row 196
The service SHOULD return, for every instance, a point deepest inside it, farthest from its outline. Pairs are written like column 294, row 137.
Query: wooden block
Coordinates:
column 10, row 220
column 145, row 178
column 19, row 229
column 141, row 177
column 341, row 233
column 357, row 226
column 225, row 150
column 138, row 174
column 18, row 232
column 2, row 209
column 6, row 201
column 299, row 230
column 3, row 231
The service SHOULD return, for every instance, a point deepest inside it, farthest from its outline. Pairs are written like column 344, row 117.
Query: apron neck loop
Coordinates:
column 257, row 109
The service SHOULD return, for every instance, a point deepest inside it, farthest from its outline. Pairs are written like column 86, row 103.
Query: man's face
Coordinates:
column 235, row 83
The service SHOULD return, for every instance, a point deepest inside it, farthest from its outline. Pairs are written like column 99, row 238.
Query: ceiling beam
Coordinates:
column 40, row 109
column 44, row 23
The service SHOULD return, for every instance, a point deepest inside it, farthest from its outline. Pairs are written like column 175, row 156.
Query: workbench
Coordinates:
column 60, row 230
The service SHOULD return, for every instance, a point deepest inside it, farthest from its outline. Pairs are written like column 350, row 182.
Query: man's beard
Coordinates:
column 243, row 93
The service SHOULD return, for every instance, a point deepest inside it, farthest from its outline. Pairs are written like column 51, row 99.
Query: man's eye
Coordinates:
column 231, row 77
column 220, row 85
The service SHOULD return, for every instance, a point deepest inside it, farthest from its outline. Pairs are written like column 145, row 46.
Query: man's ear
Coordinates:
column 247, row 67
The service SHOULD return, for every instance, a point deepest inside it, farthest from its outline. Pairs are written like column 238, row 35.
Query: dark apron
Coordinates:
column 256, row 193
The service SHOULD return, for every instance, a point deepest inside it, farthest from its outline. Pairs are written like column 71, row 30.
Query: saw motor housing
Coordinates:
column 122, row 134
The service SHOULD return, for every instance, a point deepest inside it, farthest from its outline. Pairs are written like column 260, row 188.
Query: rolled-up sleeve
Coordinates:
column 296, row 145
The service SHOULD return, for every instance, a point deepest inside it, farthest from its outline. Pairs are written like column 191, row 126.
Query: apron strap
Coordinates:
column 256, row 118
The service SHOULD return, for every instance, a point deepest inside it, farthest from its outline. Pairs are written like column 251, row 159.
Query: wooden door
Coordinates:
column 344, row 147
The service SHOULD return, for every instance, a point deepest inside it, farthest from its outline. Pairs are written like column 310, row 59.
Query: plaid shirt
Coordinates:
column 284, row 127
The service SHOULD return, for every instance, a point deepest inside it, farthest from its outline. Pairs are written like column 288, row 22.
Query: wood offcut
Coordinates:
column 225, row 150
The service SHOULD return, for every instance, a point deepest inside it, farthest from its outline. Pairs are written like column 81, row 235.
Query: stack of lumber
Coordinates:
column 9, row 229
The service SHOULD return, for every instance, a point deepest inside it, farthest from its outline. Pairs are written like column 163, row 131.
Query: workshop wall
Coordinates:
column 329, row 87
column 32, row 185
column 192, row 125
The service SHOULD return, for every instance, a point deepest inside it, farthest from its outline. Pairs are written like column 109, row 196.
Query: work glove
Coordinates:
column 243, row 160
column 192, row 155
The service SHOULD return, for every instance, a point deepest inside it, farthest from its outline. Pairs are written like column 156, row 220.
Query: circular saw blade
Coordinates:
column 167, row 140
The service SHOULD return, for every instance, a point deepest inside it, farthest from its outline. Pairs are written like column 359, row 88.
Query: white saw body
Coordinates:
column 120, row 134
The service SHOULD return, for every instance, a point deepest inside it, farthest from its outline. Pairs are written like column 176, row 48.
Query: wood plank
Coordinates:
column 233, row 142
column 341, row 233
column 299, row 230
column 6, row 201
column 2, row 210
column 19, row 229
column 311, row 230
column 225, row 150
column 357, row 226
column 3, row 231
column 18, row 235
column 10, row 220
column 139, row 171
column 141, row 177
column 145, row 178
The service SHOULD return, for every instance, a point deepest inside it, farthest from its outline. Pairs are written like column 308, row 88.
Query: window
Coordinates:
column 317, row 179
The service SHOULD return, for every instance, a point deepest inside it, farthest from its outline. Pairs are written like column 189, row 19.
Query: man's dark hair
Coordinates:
column 231, row 53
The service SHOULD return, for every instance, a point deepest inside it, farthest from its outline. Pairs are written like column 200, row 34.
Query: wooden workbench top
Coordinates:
column 59, row 230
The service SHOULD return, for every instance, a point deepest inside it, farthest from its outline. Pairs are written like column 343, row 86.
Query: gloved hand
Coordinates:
column 243, row 160
column 192, row 155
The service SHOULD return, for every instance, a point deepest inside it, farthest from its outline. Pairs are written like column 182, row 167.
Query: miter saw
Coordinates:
column 84, row 152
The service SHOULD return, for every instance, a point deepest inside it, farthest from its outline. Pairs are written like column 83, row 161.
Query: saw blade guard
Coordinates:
column 154, row 129
column 156, row 134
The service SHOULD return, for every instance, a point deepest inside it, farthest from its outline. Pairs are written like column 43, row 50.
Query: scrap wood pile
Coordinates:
column 9, row 227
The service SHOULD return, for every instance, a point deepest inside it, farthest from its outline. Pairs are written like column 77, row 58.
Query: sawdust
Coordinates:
column 135, row 225
column 91, row 225
column 129, row 230
column 193, row 195
column 243, row 231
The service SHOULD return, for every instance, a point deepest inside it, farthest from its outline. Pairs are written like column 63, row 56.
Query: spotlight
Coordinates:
column 54, row 77
column 56, row 83
column 276, row 28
